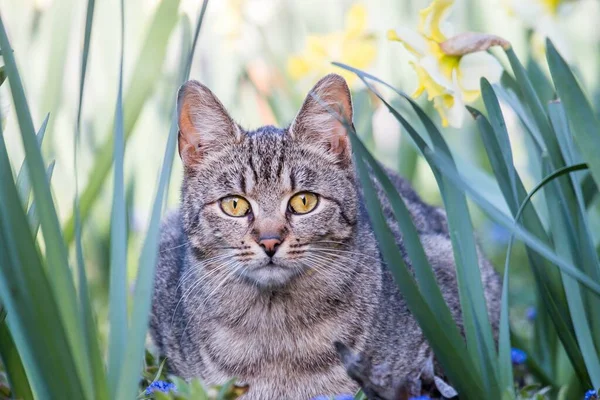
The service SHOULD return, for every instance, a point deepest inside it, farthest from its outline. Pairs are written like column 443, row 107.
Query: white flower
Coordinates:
column 542, row 17
column 448, row 67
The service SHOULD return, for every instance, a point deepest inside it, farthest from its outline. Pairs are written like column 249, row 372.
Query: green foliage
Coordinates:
column 48, row 319
column 561, row 252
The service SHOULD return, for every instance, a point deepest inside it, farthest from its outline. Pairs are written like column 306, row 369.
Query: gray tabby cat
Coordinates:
column 271, row 257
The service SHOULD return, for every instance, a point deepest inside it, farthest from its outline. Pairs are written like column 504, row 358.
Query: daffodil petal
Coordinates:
column 472, row 67
column 297, row 67
column 471, row 42
column 356, row 20
column 432, row 66
column 413, row 41
column 432, row 19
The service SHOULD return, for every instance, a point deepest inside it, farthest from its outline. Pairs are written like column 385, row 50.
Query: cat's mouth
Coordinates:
column 270, row 274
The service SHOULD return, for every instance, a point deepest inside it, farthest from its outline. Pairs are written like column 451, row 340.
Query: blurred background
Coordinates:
column 260, row 57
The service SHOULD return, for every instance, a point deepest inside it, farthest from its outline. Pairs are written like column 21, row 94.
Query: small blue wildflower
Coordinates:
column 321, row 397
column 531, row 313
column 160, row 386
column 344, row 396
column 518, row 356
column 420, row 398
column 499, row 234
column 591, row 395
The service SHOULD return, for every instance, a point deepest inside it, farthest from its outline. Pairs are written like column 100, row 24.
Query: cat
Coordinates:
column 271, row 258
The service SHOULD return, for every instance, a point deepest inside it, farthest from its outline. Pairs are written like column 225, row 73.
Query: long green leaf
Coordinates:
column 34, row 220
column 549, row 284
column 479, row 341
column 95, row 358
column 11, row 360
column 444, row 347
column 23, row 183
column 143, row 79
column 142, row 296
column 505, row 371
column 33, row 314
column 536, row 108
column 56, row 252
column 585, row 126
column 424, row 274
column 117, row 343
column 61, row 17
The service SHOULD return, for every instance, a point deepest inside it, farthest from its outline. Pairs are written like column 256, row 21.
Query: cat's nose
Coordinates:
column 270, row 245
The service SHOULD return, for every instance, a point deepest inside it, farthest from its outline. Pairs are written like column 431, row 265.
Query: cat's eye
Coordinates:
column 303, row 202
column 235, row 206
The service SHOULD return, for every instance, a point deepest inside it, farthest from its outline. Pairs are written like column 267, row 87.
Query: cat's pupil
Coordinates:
column 235, row 204
column 304, row 200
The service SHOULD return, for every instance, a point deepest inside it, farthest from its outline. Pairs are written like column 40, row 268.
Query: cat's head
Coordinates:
column 271, row 204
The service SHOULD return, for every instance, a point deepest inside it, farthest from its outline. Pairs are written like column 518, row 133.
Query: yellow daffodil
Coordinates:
column 448, row 67
column 541, row 16
column 354, row 46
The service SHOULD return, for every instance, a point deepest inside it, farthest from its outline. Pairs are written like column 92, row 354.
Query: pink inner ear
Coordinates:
column 338, row 137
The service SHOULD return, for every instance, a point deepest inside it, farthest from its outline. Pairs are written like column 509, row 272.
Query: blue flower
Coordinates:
column 518, row 356
column 160, row 386
column 531, row 313
column 591, row 395
column 420, row 398
column 344, row 396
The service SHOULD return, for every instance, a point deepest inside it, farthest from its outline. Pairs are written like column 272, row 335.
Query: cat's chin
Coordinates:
column 270, row 275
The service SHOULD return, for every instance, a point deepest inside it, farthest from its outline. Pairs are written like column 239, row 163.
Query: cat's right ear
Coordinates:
column 204, row 124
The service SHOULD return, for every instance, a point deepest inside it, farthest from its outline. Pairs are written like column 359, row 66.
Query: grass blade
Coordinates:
column 505, row 371
column 32, row 217
column 11, row 360
column 23, row 183
column 147, row 67
column 143, row 288
column 445, row 349
column 92, row 343
column 33, row 314
column 56, row 252
column 117, row 343
column 581, row 115
column 479, row 341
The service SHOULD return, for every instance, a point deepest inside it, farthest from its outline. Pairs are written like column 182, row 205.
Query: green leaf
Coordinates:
column 422, row 269
column 61, row 17
column 480, row 343
column 536, row 108
column 34, row 220
column 506, row 378
column 117, row 343
column 147, row 68
column 549, row 284
column 585, row 126
column 92, row 343
column 11, row 360
column 23, row 183
column 453, row 359
column 56, row 253
column 147, row 264
column 33, row 314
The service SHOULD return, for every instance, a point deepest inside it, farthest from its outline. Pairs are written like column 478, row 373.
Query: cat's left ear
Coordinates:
column 324, row 116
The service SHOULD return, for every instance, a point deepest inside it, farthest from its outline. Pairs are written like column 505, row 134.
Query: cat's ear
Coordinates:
column 204, row 124
column 320, row 118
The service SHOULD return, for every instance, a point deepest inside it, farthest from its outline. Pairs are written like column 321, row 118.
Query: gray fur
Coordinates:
column 219, row 313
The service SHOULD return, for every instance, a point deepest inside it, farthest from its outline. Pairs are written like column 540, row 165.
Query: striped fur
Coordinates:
column 219, row 311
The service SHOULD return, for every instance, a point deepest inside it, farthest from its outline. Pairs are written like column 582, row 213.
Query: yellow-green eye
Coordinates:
column 303, row 202
column 235, row 206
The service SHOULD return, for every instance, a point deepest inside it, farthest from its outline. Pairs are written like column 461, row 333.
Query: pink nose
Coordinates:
column 270, row 245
